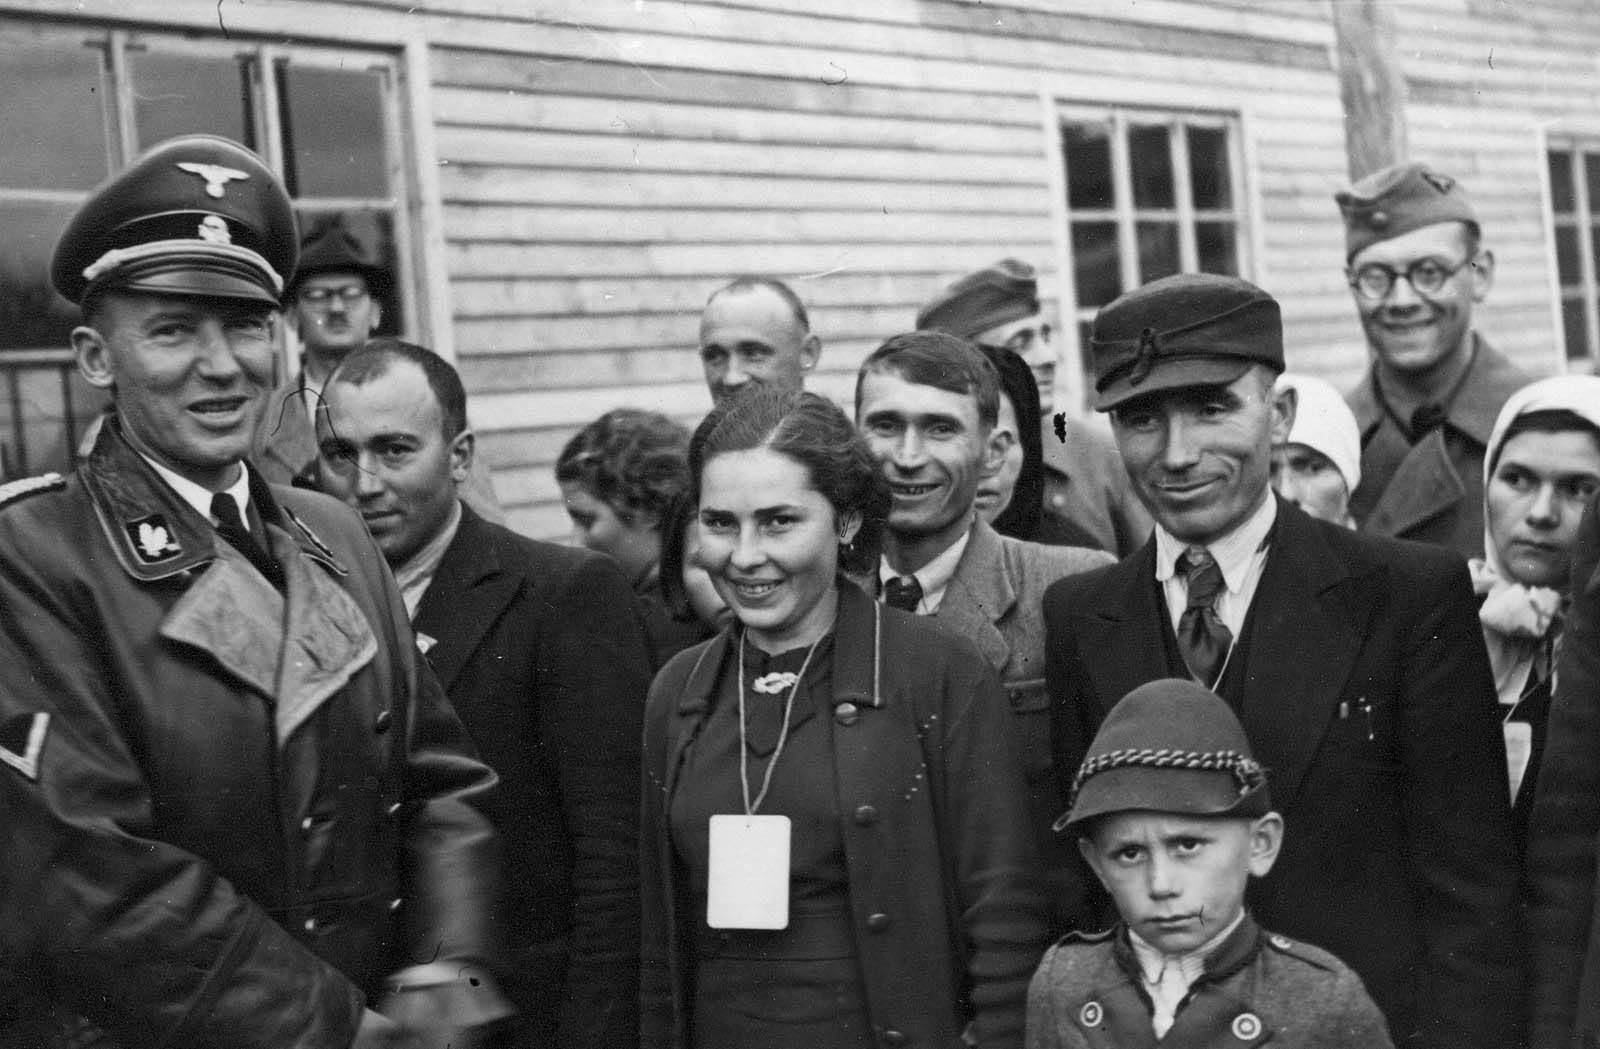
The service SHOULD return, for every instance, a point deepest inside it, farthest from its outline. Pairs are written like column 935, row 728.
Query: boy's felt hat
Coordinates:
column 1168, row 746
column 995, row 295
column 197, row 215
column 1192, row 329
column 1398, row 199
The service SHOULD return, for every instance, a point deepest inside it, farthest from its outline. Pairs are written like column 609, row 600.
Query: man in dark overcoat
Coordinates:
column 1354, row 662
column 238, row 810
column 542, row 652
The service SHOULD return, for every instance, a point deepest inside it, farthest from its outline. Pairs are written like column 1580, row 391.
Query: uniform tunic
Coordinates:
column 1257, row 989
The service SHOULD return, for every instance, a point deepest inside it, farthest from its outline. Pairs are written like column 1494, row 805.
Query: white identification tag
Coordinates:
column 748, row 873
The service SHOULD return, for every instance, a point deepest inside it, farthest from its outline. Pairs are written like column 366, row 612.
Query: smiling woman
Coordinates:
column 1542, row 465
column 841, row 832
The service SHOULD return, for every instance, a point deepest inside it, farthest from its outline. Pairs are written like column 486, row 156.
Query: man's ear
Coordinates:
column 849, row 525
column 1482, row 274
column 94, row 357
column 462, row 450
column 1266, row 838
column 994, row 450
column 377, row 316
column 810, row 352
column 1285, row 403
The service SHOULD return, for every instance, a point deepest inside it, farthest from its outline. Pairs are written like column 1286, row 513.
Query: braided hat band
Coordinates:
column 1247, row 771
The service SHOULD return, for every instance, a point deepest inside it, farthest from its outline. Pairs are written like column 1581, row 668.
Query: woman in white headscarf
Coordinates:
column 1540, row 468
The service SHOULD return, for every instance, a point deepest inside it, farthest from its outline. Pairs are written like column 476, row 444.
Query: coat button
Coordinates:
column 866, row 815
column 1091, row 1014
column 878, row 922
column 306, row 825
column 1015, row 695
column 395, row 904
column 381, row 725
column 893, row 1037
column 1247, row 1027
column 847, row 713
column 310, row 925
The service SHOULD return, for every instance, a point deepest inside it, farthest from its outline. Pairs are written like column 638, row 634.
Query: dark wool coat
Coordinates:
column 1367, row 695
column 940, row 856
column 229, row 813
column 1258, row 988
column 1564, row 921
column 542, row 653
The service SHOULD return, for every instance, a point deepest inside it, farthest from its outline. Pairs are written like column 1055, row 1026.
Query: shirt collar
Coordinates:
column 1233, row 552
column 934, row 576
column 199, row 496
column 417, row 573
column 1191, row 964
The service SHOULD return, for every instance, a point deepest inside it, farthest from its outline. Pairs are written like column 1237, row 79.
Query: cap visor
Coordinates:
column 198, row 283
column 1173, row 374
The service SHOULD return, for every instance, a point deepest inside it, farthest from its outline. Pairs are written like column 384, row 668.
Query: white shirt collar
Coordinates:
column 934, row 577
column 199, row 496
column 1233, row 552
column 415, row 576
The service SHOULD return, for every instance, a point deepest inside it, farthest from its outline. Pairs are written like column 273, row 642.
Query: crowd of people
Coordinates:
column 943, row 720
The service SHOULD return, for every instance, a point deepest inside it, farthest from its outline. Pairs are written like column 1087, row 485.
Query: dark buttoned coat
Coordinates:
column 1368, row 697
column 542, row 654
column 940, row 858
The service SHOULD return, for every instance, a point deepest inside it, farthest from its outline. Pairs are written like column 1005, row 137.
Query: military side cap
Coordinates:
column 999, row 294
column 1168, row 746
column 334, row 249
column 1399, row 199
column 1193, row 329
column 197, row 215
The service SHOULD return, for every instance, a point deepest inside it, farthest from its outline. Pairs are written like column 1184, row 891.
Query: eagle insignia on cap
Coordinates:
column 217, row 177
column 152, row 540
column 215, row 230
column 1442, row 183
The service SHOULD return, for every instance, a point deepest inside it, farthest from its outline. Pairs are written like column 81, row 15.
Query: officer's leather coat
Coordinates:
column 226, row 818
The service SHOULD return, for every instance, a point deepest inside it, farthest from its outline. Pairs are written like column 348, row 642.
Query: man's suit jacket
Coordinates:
column 1367, row 695
column 542, row 653
column 1087, row 498
column 994, row 600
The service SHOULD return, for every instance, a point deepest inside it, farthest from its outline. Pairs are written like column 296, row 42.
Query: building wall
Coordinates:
column 590, row 171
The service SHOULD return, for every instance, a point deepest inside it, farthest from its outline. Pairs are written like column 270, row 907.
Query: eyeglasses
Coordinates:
column 320, row 295
column 1426, row 276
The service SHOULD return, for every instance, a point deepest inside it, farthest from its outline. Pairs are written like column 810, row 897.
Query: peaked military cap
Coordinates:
column 1169, row 746
column 196, row 215
column 1192, row 329
column 1399, row 199
column 334, row 249
column 998, row 294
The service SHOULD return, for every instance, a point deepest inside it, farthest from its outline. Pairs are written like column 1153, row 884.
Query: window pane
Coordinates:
column 1096, row 272
column 1150, row 157
column 185, row 94
column 1088, row 157
column 56, row 405
column 1562, row 195
column 32, row 315
column 1217, row 243
column 50, row 87
column 1568, row 266
column 1591, row 176
column 1158, row 250
column 334, row 136
column 1209, row 180
column 374, row 230
column 1594, row 254
column 1574, row 328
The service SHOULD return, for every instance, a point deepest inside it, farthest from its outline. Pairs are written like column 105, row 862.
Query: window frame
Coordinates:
column 1585, row 220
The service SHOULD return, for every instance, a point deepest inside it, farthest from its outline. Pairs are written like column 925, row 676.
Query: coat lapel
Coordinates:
column 471, row 588
column 1307, row 624
column 1121, row 645
column 979, row 595
column 1425, row 485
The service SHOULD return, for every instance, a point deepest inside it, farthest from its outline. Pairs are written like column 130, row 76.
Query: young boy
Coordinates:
column 1172, row 813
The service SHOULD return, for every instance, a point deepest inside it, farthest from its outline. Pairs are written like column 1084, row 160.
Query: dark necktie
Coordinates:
column 1202, row 637
column 230, row 526
column 1426, row 419
column 903, row 592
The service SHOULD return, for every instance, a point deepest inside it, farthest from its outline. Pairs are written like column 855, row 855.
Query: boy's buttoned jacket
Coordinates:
column 940, row 858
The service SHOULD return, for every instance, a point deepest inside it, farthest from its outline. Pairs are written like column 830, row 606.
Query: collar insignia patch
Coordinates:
column 217, row 177
column 152, row 539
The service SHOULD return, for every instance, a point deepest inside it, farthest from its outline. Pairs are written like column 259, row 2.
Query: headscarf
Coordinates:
column 1324, row 423
column 1022, row 516
column 1517, row 619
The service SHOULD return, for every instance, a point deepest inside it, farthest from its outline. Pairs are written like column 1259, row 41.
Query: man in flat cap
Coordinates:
column 334, row 304
column 1086, row 500
column 238, row 808
column 755, row 330
column 1416, row 267
column 1354, row 662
